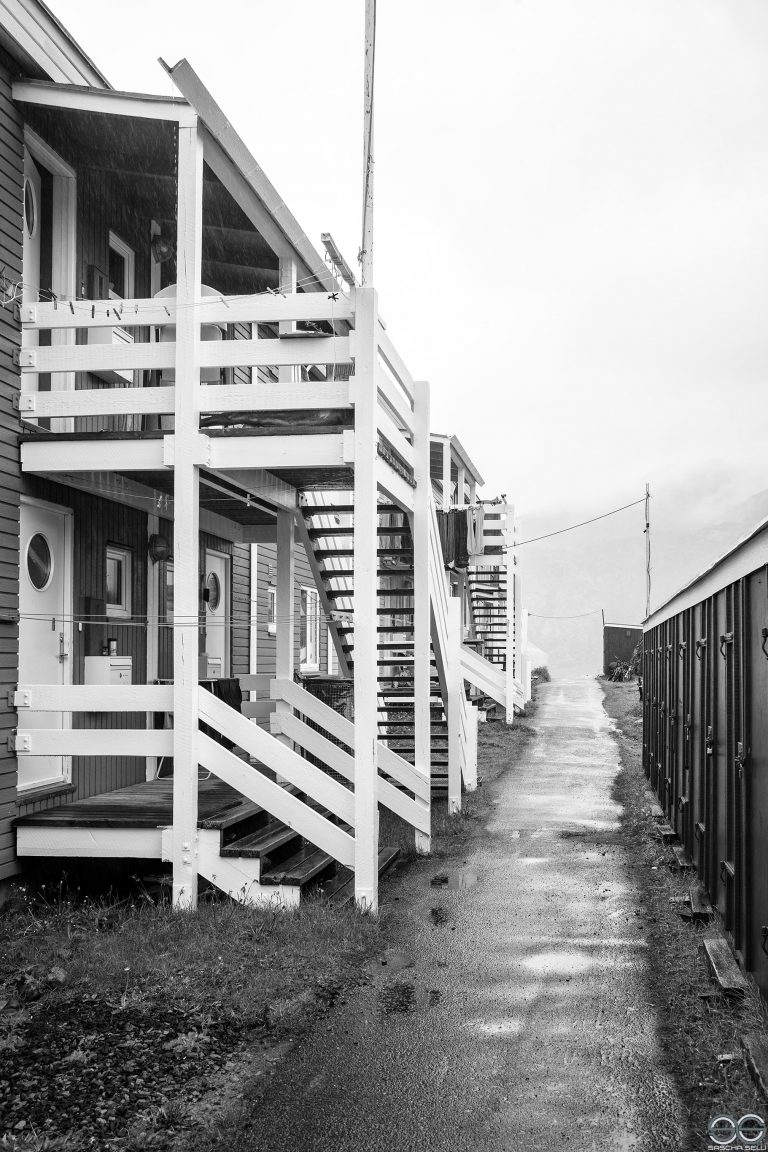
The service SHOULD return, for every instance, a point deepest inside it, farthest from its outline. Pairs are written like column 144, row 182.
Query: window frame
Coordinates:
column 129, row 257
column 312, row 596
column 271, row 609
column 122, row 609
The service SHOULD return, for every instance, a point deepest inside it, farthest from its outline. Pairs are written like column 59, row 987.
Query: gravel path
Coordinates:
column 514, row 1010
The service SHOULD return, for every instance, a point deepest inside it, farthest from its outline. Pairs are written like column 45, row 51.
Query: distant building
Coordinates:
column 619, row 642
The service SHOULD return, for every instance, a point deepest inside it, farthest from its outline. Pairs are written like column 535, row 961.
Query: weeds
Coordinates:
column 139, row 952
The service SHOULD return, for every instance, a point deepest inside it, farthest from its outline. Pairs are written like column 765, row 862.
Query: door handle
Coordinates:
column 63, row 654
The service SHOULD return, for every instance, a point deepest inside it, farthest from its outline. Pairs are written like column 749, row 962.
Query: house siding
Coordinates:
column 11, row 181
column 266, row 575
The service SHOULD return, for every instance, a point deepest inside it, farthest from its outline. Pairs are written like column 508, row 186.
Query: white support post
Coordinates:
column 422, row 649
column 470, row 752
column 473, row 491
column 524, row 657
column 455, row 684
column 446, row 476
column 365, row 615
column 186, row 518
column 461, row 484
column 285, row 610
column 509, row 561
column 153, row 626
column 287, row 373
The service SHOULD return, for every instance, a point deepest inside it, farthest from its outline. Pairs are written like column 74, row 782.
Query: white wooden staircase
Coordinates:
column 328, row 529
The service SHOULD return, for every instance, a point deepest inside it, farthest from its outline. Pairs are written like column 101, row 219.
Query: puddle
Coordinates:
column 399, row 997
column 439, row 915
column 464, row 878
column 507, row 1027
column 390, row 963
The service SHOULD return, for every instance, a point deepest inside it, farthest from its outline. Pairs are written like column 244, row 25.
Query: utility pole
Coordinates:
column 366, row 250
column 647, row 551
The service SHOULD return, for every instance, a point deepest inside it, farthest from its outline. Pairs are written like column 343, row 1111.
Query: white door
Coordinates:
column 45, row 628
column 31, row 207
column 217, row 613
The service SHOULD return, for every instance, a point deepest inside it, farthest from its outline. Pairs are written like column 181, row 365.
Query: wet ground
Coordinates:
column 513, row 1011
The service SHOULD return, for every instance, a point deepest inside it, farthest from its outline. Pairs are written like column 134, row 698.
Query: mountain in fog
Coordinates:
column 602, row 566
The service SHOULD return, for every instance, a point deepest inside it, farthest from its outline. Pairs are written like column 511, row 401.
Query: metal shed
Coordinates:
column 705, row 735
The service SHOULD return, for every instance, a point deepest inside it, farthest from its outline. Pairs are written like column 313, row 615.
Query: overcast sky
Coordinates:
column 571, row 211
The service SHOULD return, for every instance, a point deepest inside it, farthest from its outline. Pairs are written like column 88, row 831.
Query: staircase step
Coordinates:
column 338, row 530
column 341, row 889
column 299, row 869
column 346, row 509
column 264, row 842
column 348, row 574
column 381, row 628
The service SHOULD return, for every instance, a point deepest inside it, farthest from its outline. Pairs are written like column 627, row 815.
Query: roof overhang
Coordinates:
column 31, row 34
column 223, row 150
column 460, row 452
column 78, row 98
column 237, row 169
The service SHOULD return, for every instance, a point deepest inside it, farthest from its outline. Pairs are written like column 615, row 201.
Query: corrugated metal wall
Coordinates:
column 705, row 750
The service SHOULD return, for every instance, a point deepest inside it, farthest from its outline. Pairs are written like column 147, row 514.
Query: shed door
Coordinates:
column 45, row 629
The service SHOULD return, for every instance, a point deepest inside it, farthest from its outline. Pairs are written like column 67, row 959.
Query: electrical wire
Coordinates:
column 560, row 531
column 578, row 616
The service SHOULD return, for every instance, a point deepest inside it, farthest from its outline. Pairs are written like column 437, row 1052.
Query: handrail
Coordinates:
column 270, row 353
column 141, row 312
column 410, row 776
column 94, row 698
column 281, row 759
column 279, row 801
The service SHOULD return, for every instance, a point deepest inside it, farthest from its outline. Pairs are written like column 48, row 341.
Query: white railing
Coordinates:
column 33, row 700
column 138, row 316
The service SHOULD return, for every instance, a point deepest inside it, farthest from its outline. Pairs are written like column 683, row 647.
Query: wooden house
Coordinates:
column 217, row 487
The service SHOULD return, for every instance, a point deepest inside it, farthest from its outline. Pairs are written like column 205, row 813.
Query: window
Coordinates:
column 271, row 609
column 121, row 262
column 118, row 581
column 309, row 630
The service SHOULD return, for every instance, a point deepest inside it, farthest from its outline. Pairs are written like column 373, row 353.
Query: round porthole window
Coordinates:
column 39, row 562
column 213, row 587
column 30, row 208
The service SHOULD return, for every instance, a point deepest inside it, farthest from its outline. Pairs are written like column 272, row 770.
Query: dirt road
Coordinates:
column 514, row 1011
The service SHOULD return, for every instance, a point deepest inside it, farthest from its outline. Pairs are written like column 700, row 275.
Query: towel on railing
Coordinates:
column 228, row 690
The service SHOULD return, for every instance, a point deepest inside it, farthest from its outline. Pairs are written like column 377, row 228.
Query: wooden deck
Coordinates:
column 145, row 805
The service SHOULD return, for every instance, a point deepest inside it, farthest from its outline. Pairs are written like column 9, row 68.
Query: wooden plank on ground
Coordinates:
column 666, row 833
column 701, row 909
column 724, row 968
column 756, row 1056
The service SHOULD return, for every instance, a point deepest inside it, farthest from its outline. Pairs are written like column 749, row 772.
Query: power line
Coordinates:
column 578, row 615
column 560, row 531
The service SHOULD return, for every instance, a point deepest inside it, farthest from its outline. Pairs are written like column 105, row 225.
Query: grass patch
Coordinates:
column 112, row 1012
column 698, row 1027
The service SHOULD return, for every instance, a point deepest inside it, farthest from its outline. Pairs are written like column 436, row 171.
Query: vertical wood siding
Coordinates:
column 265, row 643
column 11, row 179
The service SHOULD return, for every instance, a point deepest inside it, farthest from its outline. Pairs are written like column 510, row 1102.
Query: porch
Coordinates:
column 235, row 413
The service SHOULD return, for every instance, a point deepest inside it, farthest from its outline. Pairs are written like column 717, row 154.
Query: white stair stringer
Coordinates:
column 237, row 876
column 488, row 678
